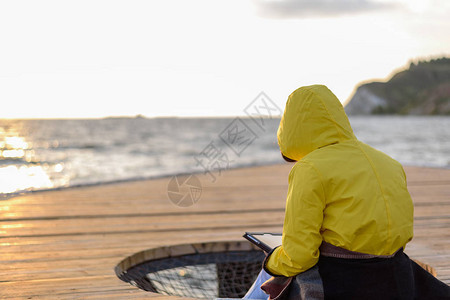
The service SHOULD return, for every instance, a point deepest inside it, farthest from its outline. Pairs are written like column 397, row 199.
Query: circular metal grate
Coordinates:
column 207, row 270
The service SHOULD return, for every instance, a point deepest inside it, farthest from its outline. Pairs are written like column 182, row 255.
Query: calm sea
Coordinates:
column 48, row 154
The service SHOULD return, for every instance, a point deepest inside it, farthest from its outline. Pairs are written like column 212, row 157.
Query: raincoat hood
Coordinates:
column 313, row 118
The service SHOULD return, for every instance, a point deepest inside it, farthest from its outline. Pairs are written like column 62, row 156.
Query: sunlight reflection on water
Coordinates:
column 19, row 169
column 13, row 178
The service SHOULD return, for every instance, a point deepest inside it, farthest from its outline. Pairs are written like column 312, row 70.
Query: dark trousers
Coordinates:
column 379, row 278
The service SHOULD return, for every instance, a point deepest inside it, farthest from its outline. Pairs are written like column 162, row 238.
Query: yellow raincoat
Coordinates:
column 341, row 190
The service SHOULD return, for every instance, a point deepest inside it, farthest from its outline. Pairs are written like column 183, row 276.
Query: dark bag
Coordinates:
column 379, row 278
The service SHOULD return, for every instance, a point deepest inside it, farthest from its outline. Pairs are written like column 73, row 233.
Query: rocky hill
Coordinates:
column 422, row 89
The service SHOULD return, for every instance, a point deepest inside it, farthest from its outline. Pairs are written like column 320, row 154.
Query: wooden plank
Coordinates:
column 143, row 224
column 67, row 288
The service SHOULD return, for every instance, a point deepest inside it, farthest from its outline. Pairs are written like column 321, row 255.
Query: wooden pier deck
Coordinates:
column 65, row 244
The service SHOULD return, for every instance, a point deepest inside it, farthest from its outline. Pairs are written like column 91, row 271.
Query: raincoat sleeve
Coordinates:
column 303, row 220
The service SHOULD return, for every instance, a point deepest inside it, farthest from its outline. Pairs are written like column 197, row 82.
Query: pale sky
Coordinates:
column 102, row 58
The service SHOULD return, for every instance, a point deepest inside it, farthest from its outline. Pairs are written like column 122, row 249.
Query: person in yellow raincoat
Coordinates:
column 349, row 214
